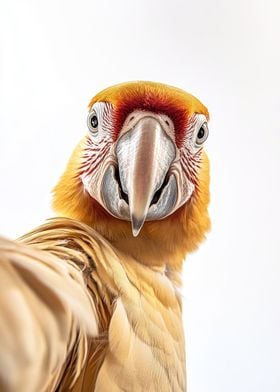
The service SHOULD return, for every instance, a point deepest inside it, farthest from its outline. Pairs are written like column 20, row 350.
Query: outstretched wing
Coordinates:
column 45, row 313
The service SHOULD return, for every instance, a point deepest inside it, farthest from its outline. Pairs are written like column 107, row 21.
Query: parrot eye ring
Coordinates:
column 202, row 134
column 92, row 122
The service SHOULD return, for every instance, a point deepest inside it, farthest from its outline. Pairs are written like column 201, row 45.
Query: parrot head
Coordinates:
column 140, row 176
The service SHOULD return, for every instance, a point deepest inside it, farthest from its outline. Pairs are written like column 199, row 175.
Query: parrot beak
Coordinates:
column 144, row 155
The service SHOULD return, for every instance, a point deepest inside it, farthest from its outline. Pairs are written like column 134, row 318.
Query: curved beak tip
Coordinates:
column 144, row 155
column 137, row 225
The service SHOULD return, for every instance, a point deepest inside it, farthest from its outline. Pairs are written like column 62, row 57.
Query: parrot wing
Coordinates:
column 46, row 313
column 52, row 336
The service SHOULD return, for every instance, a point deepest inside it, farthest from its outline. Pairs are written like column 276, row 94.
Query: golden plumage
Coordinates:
column 88, row 307
column 159, row 242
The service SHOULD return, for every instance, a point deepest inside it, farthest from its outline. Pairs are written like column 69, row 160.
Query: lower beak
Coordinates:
column 144, row 156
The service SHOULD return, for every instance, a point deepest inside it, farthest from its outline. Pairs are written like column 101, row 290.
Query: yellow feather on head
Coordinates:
column 163, row 242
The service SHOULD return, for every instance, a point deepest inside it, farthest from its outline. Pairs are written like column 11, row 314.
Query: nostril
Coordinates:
column 123, row 195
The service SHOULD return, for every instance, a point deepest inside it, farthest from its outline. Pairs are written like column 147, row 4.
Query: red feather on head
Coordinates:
column 153, row 101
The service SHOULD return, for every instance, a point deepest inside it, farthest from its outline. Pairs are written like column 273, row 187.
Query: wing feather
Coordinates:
column 45, row 312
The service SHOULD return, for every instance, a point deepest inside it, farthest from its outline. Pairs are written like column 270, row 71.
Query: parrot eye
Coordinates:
column 92, row 122
column 202, row 134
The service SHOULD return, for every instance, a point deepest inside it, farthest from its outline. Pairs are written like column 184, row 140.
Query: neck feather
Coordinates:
column 160, row 243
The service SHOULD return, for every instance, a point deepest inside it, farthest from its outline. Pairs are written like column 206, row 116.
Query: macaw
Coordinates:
column 90, row 300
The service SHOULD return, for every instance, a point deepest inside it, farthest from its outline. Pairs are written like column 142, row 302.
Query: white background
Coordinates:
column 55, row 55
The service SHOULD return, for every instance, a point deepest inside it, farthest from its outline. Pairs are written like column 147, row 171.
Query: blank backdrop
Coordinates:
column 55, row 55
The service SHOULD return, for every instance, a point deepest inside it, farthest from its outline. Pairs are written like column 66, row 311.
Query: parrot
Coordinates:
column 91, row 299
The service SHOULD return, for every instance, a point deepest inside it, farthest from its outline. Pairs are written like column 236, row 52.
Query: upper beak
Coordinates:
column 144, row 155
